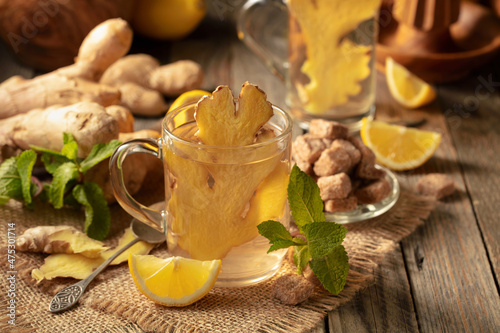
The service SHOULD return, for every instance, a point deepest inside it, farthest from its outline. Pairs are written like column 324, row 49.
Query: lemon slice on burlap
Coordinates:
column 407, row 89
column 173, row 281
column 399, row 147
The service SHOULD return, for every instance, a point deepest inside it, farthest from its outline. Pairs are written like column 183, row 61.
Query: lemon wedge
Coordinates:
column 173, row 281
column 184, row 99
column 407, row 89
column 188, row 97
column 399, row 147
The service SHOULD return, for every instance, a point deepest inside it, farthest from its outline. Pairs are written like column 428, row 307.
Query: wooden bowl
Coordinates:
column 473, row 40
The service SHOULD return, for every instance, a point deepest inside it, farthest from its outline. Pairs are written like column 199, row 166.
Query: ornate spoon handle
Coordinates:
column 69, row 296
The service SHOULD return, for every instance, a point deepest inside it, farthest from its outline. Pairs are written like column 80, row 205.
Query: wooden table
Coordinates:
column 445, row 276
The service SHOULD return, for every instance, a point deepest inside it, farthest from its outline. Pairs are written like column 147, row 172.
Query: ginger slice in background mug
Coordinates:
column 335, row 65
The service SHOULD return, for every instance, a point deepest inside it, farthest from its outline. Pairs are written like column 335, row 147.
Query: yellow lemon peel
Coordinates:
column 173, row 281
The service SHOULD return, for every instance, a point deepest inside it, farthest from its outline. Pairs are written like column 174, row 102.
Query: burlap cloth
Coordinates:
column 112, row 303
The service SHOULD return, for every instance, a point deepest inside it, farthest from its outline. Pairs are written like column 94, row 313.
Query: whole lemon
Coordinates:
column 167, row 19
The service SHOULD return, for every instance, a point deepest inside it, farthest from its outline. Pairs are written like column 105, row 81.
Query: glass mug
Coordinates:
column 322, row 49
column 216, row 196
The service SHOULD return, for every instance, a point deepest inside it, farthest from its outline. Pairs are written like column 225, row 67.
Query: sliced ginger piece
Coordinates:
column 210, row 219
column 335, row 65
column 79, row 267
column 59, row 239
column 66, row 265
column 220, row 124
column 140, row 247
column 214, row 205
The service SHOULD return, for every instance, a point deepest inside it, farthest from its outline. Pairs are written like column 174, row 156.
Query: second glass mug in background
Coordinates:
column 327, row 60
column 216, row 196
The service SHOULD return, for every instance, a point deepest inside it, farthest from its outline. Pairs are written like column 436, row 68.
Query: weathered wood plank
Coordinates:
column 472, row 111
column 451, row 282
column 386, row 306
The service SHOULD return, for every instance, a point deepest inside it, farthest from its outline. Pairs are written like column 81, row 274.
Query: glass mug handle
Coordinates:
column 253, row 25
column 151, row 217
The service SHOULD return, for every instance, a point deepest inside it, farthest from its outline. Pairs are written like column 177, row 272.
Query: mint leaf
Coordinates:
column 70, row 148
column 323, row 237
column 301, row 257
column 10, row 182
column 332, row 270
column 97, row 216
column 46, row 150
column 53, row 161
column 99, row 153
column 304, row 198
column 63, row 175
column 25, row 163
column 278, row 236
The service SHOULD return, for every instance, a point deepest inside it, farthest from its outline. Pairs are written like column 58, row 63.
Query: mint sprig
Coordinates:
column 322, row 248
column 68, row 187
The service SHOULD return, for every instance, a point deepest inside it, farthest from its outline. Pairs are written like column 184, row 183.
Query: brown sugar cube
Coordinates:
column 292, row 289
column 307, row 148
column 341, row 205
column 374, row 192
column 327, row 142
column 368, row 171
column 367, row 155
column 332, row 161
column 337, row 186
column 327, row 129
column 353, row 152
column 436, row 185
column 366, row 167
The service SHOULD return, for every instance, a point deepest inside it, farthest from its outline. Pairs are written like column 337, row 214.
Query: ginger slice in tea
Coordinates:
column 220, row 124
column 335, row 65
column 218, row 201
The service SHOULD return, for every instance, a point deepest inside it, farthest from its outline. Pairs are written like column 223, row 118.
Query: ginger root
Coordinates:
column 142, row 101
column 59, row 239
column 89, row 123
column 105, row 44
column 79, row 267
column 142, row 81
column 123, row 117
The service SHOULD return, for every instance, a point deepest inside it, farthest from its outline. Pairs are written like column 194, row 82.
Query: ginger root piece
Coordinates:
column 59, row 239
column 176, row 78
column 45, row 91
column 79, row 267
column 135, row 167
column 134, row 68
column 105, row 44
column 142, row 101
column 15, row 79
column 87, row 122
column 142, row 81
column 123, row 117
column 220, row 124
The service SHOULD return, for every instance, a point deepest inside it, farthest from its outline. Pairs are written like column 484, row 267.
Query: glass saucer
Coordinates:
column 368, row 211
